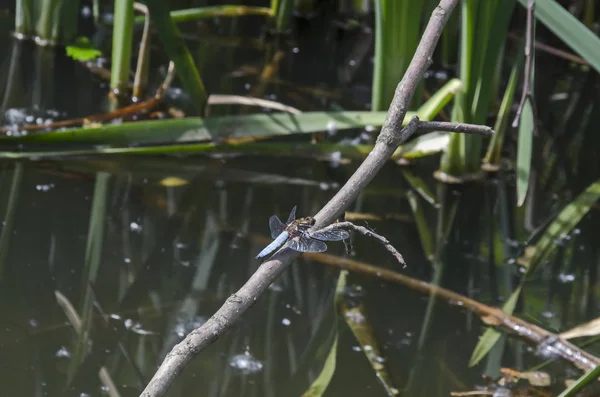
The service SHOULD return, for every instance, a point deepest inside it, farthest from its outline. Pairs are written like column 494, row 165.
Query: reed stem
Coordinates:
column 121, row 46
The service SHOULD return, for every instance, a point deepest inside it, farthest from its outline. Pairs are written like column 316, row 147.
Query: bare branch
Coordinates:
column 527, row 89
column 391, row 136
column 369, row 233
column 429, row 126
column 546, row 342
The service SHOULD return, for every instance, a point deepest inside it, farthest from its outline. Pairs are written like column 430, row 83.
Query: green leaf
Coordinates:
column 193, row 14
column 495, row 146
column 569, row 29
column 525, row 147
column 397, row 34
column 491, row 336
column 83, row 50
column 425, row 235
column 437, row 101
column 193, row 129
column 178, row 52
column 318, row 387
column 566, row 220
column 359, row 324
column 585, row 379
column 424, row 145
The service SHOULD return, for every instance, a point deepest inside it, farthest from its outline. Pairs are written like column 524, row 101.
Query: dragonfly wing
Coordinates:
column 305, row 244
column 331, row 235
column 292, row 215
column 276, row 226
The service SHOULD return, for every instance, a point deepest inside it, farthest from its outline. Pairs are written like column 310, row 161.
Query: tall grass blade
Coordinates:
column 121, row 45
column 358, row 323
column 494, row 150
column 9, row 214
column 69, row 18
column 93, row 253
column 282, row 10
column 48, row 15
column 232, row 11
column 425, row 235
column 491, row 33
column 192, row 129
column 179, row 53
column 585, row 379
column 564, row 223
column 524, row 150
column 491, row 336
column 439, row 100
column 23, row 17
column 569, row 29
column 318, row 387
column 483, row 28
column 397, row 28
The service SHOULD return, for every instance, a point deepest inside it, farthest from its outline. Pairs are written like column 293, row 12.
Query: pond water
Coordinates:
column 144, row 249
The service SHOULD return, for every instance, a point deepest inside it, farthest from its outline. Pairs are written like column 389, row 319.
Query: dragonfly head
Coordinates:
column 302, row 224
column 309, row 221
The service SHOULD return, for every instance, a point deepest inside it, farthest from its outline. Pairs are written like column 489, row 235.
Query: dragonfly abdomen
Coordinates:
column 282, row 238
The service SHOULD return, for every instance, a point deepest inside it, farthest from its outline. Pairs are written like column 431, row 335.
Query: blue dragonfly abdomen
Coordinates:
column 279, row 241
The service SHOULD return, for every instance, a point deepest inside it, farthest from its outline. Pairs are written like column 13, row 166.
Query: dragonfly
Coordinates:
column 295, row 234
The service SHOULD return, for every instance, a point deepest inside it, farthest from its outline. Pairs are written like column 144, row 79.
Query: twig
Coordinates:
column 244, row 100
column 369, row 233
column 553, row 51
column 160, row 92
column 430, row 126
column 527, row 89
column 141, row 72
column 119, row 113
column 492, row 316
column 75, row 320
column 391, row 136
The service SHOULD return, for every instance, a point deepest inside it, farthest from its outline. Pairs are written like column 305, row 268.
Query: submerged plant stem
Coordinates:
column 9, row 215
column 490, row 315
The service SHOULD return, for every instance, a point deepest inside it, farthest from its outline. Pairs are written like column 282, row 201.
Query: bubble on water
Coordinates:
column 276, row 286
column 502, row 392
column 135, row 227
column 286, row 322
column 355, row 317
column 15, row 116
column 184, row 325
column 566, row 277
column 331, row 127
column 547, row 314
column 63, row 353
column 335, row 159
column 44, row 187
column 33, row 323
column 245, row 363
column 355, row 291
